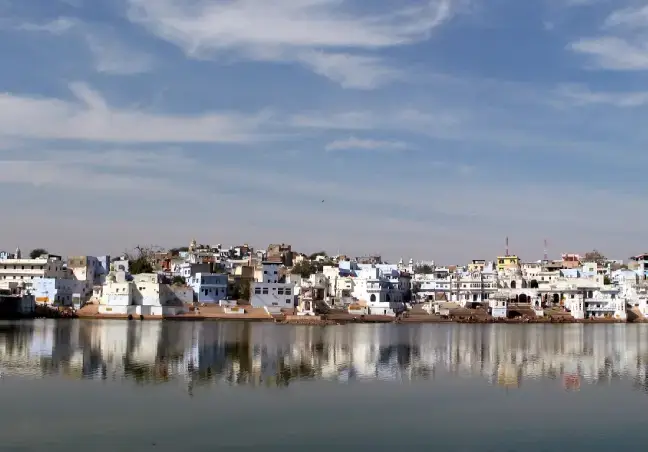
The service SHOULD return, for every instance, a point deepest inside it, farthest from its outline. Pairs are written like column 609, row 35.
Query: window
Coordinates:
column 287, row 291
column 280, row 291
column 287, row 301
column 257, row 290
column 206, row 291
column 265, row 291
column 373, row 297
column 275, row 272
column 265, row 272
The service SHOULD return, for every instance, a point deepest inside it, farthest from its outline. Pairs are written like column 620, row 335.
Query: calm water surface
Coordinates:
column 173, row 386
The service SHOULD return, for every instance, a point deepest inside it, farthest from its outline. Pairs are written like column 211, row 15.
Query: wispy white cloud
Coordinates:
column 366, row 144
column 317, row 33
column 623, row 45
column 90, row 117
column 352, row 71
column 613, row 53
column 57, row 26
column 634, row 17
column 113, row 57
column 110, row 55
column 578, row 95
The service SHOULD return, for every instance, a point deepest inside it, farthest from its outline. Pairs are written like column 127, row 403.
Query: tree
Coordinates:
column 304, row 268
column 606, row 280
column 140, row 260
column 313, row 256
column 176, row 251
column 594, row 256
column 178, row 281
column 240, row 290
column 37, row 252
column 424, row 269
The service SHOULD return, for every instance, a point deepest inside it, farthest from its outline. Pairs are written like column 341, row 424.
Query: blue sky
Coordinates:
column 431, row 128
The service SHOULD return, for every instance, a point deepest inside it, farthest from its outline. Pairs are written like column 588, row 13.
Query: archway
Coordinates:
column 534, row 284
column 513, row 284
column 556, row 299
column 522, row 298
column 372, row 297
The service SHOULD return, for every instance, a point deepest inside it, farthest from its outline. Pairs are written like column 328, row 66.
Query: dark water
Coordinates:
column 172, row 386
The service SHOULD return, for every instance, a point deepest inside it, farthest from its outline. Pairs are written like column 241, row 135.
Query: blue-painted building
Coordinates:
column 57, row 292
column 208, row 287
column 102, row 268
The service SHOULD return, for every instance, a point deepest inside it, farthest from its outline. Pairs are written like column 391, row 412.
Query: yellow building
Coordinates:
column 477, row 265
column 507, row 262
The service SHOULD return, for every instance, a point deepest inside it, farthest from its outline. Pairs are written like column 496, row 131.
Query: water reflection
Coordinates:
column 268, row 354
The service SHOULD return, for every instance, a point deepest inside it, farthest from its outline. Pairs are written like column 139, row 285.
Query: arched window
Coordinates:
column 512, row 284
column 373, row 297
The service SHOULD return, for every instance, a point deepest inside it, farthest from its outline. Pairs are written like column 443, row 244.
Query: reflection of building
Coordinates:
column 269, row 354
column 507, row 376
column 571, row 382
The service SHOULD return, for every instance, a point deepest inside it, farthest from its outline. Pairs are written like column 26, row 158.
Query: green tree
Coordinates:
column 37, row 252
column 594, row 256
column 178, row 281
column 313, row 256
column 240, row 290
column 176, row 251
column 606, row 280
column 304, row 268
column 424, row 269
column 140, row 260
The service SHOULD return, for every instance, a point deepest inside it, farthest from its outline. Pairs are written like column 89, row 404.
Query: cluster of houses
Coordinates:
column 274, row 279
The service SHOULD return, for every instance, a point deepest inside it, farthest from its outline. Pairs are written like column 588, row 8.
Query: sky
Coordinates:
column 430, row 129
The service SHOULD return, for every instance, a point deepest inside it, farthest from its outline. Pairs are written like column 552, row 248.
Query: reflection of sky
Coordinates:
column 252, row 353
column 42, row 340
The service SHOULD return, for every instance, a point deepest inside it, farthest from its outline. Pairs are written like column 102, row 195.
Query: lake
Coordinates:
column 204, row 386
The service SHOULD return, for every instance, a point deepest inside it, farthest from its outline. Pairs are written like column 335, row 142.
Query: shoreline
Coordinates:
column 289, row 317
column 326, row 320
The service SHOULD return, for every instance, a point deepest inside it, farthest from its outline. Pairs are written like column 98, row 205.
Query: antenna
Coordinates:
column 546, row 258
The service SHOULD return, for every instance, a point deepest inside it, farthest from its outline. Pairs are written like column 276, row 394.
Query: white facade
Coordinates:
column 27, row 270
column 606, row 302
column 144, row 295
column 377, row 293
column 498, row 305
column 268, row 292
column 84, row 270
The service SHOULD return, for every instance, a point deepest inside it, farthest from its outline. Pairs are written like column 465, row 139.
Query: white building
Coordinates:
column 85, row 270
column 28, row 270
column 144, row 295
column 377, row 293
column 498, row 305
column 267, row 292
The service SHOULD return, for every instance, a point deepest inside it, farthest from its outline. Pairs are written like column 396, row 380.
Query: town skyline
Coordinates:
column 316, row 250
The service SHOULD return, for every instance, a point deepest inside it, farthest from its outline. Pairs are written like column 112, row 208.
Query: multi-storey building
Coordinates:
column 267, row 292
column 27, row 270
column 208, row 287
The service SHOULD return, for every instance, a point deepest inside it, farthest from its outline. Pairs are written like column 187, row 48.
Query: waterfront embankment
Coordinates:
column 337, row 317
